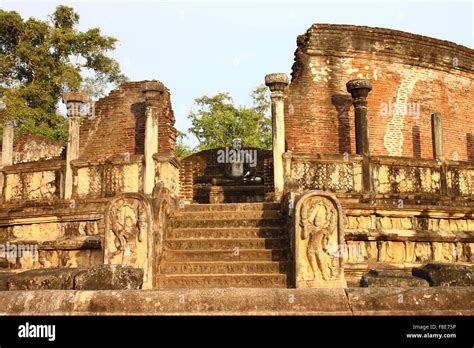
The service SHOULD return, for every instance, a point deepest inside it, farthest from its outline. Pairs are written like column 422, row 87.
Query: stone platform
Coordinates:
column 238, row 301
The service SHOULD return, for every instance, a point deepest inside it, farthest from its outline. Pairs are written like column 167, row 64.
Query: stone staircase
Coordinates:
column 226, row 245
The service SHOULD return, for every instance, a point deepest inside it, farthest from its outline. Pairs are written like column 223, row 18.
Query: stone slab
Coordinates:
column 352, row 301
column 109, row 277
column 444, row 274
column 411, row 301
column 391, row 278
column 101, row 277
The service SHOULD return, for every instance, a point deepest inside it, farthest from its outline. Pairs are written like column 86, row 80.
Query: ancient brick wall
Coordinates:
column 31, row 148
column 118, row 127
column 412, row 77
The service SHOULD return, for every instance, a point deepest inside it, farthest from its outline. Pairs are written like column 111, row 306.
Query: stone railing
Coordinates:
column 167, row 173
column 392, row 175
column 107, row 178
column 389, row 175
column 460, row 178
column 334, row 173
column 35, row 181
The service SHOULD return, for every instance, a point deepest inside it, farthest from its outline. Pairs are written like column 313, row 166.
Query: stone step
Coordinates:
column 226, row 255
column 216, row 223
column 231, row 207
column 227, row 215
column 223, row 281
column 258, row 267
column 250, row 232
column 226, row 244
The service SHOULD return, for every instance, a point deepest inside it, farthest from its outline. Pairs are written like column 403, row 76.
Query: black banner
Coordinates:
column 242, row 331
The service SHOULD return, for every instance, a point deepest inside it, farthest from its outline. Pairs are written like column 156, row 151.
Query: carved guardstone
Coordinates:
column 128, row 237
column 319, row 242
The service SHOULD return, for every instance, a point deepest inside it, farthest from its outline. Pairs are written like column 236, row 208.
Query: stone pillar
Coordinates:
column 74, row 102
column 7, row 144
column 437, row 136
column 359, row 89
column 277, row 84
column 153, row 91
column 438, row 149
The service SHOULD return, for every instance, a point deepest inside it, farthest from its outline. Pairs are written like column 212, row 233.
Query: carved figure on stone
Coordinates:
column 319, row 241
column 128, row 235
column 317, row 223
column 128, row 230
column 422, row 252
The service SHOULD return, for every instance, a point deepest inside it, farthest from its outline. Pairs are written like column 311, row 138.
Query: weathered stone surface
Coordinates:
column 44, row 279
column 109, row 277
column 411, row 301
column 3, row 281
column 277, row 78
column 318, row 237
column 101, row 277
column 353, row 301
column 391, row 278
column 75, row 97
column 442, row 274
column 223, row 246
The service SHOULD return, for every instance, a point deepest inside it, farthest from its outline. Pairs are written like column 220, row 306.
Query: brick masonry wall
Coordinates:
column 119, row 124
column 32, row 147
column 420, row 74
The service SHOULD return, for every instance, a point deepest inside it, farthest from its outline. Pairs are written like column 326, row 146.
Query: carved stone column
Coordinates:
column 437, row 136
column 153, row 91
column 74, row 102
column 438, row 149
column 359, row 89
column 277, row 84
column 7, row 145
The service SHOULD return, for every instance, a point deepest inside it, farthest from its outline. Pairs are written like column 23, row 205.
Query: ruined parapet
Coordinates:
column 117, row 125
column 412, row 77
column 121, row 139
column 33, row 148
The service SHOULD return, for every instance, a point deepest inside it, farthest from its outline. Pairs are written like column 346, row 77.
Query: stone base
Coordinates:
column 230, row 194
column 391, row 278
column 351, row 301
column 100, row 277
column 446, row 274
column 321, row 284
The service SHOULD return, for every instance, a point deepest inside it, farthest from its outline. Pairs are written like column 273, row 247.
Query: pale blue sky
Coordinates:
column 207, row 47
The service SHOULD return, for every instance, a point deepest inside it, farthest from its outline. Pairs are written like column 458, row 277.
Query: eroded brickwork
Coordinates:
column 31, row 147
column 412, row 77
column 118, row 127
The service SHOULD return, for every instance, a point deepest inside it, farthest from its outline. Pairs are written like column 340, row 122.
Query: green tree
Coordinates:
column 217, row 121
column 182, row 150
column 39, row 60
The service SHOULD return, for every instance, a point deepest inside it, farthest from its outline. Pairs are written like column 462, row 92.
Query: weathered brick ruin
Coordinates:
column 370, row 183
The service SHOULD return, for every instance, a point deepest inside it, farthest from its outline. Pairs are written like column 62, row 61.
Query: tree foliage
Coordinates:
column 217, row 121
column 182, row 149
column 39, row 60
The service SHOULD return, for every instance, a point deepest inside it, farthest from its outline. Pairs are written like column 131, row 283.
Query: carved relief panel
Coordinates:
column 129, row 234
column 319, row 242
